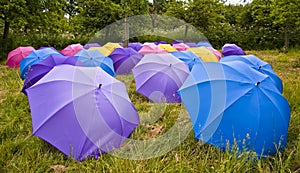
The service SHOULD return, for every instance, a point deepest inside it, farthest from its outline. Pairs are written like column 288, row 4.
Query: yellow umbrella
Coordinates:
column 167, row 47
column 102, row 50
column 112, row 46
column 205, row 54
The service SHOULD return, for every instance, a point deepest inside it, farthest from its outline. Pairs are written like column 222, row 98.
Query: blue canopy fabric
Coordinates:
column 188, row 57
column 257, row 64
column 233, row 104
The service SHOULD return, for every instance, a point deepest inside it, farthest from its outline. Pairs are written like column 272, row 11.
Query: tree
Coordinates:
column 286, row 14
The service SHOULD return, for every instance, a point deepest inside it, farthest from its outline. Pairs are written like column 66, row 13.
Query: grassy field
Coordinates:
column 22, row 152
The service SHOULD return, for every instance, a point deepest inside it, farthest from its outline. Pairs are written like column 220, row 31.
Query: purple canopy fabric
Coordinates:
column 136, row 46
column 37, row 71
column 88, row 45
column 82, row 111
column 159, row 76
column 232, row 49
column 124, row 59
column 160, row 42
column 191, row 44
column 177, row 41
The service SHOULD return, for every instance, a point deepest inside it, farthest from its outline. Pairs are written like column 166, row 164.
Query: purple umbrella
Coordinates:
column 191, row 44
column 160, row 42
column 82, row 111
column 37, row 71
column 159, row 76
column 124, row 59
column 88, row 45
column 177, row 41
column 136, row 46
column 232, row 49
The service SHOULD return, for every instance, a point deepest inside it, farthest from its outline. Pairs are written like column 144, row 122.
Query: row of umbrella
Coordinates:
column 235, row 101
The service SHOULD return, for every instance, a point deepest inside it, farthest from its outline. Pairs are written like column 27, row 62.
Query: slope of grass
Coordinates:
column 22, row 152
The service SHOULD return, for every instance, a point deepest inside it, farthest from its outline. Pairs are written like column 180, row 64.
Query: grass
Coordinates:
column 22, row 152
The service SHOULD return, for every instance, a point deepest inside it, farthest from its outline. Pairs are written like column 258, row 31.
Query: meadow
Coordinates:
column 22, row 152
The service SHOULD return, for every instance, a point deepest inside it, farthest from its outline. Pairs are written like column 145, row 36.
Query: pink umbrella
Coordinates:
column 71, row 50
column 180, row 46
column 17, row 55
column 216, row 52
column 152, row 50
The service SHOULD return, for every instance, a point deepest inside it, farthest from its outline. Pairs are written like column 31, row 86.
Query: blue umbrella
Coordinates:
column 34, row 57
column 188, row 57
column 257, row 64
column 93, row 58
column 231, row 104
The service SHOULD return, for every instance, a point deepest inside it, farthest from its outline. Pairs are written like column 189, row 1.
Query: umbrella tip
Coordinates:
column 99, row 86
column 259, row 67
column 257, row 83
column 170, row 65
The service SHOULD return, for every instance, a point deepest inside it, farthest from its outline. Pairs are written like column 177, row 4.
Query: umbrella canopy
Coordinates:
column 88, row 45
column 167, row 47
column 205, row 54
column 102, row 50
column 191, row 44
column 160, row 42
column 149, row 44
column 180, row 46
column 125, row 59
column 82, row 111
column 257, row 64
column 159, row 76
column 136, row 46
column 152, row 50
column 217, row 53
column 204, row 43
column 39, row 70
column 177, row 41
column 93, row 58
column 232, row 49
column 34, row 57
column 231, row 103
column 71, row 50
column 17, row 55
column 188, row 57
column 111, row 46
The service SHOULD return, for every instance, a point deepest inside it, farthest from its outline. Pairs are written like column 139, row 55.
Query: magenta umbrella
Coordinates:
column 124, row 59
column 71, row 50
column 17, row 55
column 159, row 76
column 82, row 111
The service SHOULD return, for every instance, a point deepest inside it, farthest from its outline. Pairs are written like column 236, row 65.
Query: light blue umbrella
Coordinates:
column 34, row 57
column 94, row 58
column 188, row 57
column 257, row 64
column 231, row 103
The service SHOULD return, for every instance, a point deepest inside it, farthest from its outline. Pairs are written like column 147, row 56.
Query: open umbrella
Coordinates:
column 191, row 44
column 34, row 57
column 257, row 64
column 152, row 50
column 102, row 50
column 125, row 59
column 17, row 55
column 88, row 45
column 167, row 47
column 111, row 46
column 231, row 104
column 232, row 49
column 205, row 54
column 188, row 57
column 180, row 46
column 136, row 46
column 71, row 50
column 159, row 76
column 204, row 43
column 93, row 58
column 82, row 111
column 39, row 70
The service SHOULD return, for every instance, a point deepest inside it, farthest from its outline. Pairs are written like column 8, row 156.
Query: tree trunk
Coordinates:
column 286, row 35
column 5, row 34
column 185, row 33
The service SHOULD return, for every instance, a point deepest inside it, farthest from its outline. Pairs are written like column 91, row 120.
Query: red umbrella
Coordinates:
column 15, row 56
